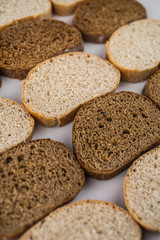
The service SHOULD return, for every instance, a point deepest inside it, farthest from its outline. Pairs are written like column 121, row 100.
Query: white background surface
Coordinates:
column 109, row 190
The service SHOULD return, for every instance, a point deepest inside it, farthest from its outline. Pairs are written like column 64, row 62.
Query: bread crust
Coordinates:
column 45, row 14
column 129, row 75
column 23, row 237
column 103, row 175
column 66, row 118
column 65, row 9
column 50, row 208
column 143, row 224
column 32, row 124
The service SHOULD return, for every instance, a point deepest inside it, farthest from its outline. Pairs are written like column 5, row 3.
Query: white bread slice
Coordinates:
column 65, row 7
column 56, row 88
column 135, row 49
column 90, row 219
column 12, row 10
column 142, row 190
column 16, row 124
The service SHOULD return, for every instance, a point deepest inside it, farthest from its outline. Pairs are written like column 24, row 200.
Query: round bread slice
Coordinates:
column 31, row 41
column 13, row 10
column 16, row 124
column 97, row 20
column 36, row 177
column 152, row 87
column 65, row 7
column 135, row 49
column 65, row 83
column 142, row 191
column 88, row 219
column 111, row 131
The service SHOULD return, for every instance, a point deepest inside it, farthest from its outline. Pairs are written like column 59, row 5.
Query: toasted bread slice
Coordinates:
column 65, row 7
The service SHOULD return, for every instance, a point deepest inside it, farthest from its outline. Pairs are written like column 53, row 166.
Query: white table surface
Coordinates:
column 108, row 190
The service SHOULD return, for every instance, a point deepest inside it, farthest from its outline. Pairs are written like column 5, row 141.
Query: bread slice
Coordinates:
column 36, row 177
column 142, row 191
column 97, row 20
column 65, row 7
column 111, row 131
column 14, row 10
column 135, row 49
column 31, row 41
column 152, row 87
column 65, row 83
column 88, row 219
column 16, row 124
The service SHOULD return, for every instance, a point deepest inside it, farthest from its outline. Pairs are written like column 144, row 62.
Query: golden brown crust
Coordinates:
column 65, row 9
column 23, row 237
column 129, row 75
column 143, row 224
column 61, row 120
column 31, row 120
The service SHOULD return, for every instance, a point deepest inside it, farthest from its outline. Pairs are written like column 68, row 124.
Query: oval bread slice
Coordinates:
column 142, row 191
column 135, row 49
column 64, row 84
column 88, row 219
column 13, row 10
column 16, row 124
column 111, row 131
column 36, row 177
column 152, row 87
column 31, row 41
column 65, row 7
column 97, row 20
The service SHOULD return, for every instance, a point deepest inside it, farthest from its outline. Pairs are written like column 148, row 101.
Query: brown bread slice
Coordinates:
column 152, row 87
column 142, row 191
column 111, row 131
column 97, row 20
column 31, row 41
column 36, row 177
column 89, row 219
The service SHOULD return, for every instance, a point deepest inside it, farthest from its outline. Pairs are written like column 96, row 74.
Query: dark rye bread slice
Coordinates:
column 152, row 87
column 36, row 178
column 29, row 42
column 97, row 20
column 111, row 131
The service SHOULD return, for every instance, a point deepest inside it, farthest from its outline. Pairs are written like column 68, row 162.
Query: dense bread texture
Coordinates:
column 135, row 49
column 16, row 124
column 88, row 219
column 152, row 87
column 36, row 177
column 142, row 191
column 97, row 20
column 65, row 83
column 65, row 7
column 111, row 131
column 14, row 10
column 29, row 42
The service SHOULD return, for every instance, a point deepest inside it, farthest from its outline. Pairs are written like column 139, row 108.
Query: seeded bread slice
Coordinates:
column 65, row 83
column 31, row 41
column 152, row 87
column 14, row 10
column 36, row 178
column 84, row 220
column 142, row 192
column 16, row 124
column 111, row 131
column 65, row 7
column 97, row 20
column 135, row 49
